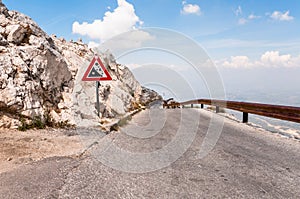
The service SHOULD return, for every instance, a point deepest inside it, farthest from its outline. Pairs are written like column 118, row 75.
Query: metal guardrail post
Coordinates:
column 192, row 105
column 202, row 106
column 217, row 109
column 245, row 117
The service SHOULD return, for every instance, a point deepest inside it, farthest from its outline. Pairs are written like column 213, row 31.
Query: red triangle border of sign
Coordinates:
column 85, row 76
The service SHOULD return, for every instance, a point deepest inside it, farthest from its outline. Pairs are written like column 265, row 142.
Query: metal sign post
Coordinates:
column 97, row 98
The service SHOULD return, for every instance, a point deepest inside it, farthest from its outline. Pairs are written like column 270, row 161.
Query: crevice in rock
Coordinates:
column 27, row 35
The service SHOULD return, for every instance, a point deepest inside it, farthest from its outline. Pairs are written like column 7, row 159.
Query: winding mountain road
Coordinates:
column 156, row 155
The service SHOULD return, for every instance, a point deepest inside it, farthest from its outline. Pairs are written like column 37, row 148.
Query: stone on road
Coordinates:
column 245, row 163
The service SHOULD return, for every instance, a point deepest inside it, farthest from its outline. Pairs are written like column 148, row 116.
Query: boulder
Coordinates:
column 16, row 33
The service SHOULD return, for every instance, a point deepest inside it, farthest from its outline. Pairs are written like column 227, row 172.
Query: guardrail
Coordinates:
column 288, row 113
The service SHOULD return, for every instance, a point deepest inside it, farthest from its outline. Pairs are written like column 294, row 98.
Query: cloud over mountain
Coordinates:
column 268, row 59
column 121, row 19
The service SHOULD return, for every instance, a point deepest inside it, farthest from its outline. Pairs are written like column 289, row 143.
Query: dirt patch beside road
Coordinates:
column 18, row 148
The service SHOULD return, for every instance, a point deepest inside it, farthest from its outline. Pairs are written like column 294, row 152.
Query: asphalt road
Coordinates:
column 244, row 163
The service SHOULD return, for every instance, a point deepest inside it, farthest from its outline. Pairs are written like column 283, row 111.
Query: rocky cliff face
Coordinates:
column 42, row 74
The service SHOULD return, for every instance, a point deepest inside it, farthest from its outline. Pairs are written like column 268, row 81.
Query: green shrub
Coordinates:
column 39, row 122
column 24, row 125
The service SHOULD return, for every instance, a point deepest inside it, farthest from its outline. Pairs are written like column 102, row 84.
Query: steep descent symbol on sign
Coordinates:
column 96, row 71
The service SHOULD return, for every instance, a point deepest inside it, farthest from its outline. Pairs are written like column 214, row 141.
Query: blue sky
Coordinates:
column 222, row 27
column 251, row 41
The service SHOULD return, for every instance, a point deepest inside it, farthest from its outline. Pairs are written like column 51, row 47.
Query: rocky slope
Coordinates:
column 41, row 74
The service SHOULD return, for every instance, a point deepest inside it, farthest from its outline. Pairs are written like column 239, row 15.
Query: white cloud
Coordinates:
column 280, row 16
column 242, row 21
column 236, row 62
column 121, row 19
column 238, row 11
column 93, row 45
column 190, row 9
column 252, row 16
column 268, row 59
column 272, row 58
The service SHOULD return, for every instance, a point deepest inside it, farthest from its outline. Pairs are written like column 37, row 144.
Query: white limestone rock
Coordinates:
column 42, row 74
column 16, row 33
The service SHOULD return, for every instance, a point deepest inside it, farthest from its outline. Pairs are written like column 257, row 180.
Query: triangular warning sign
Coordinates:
column 96, row 71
